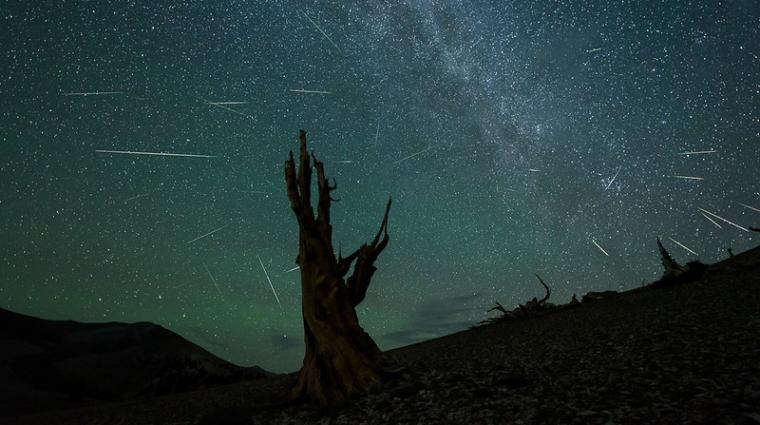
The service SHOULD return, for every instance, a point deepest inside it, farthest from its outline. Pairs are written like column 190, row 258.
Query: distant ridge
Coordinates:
column 52, row 364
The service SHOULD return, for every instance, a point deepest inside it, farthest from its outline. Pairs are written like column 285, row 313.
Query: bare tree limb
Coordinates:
column 499, row 307
column 365, row 256
column 548, row 291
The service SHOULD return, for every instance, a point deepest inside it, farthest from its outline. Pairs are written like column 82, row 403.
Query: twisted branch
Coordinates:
column 548, row 291
column 365, row 256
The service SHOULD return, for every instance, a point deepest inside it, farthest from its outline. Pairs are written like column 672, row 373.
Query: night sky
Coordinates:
column 514, row 137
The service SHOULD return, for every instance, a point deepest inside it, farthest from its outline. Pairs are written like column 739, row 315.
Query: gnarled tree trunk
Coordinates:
column 341, row 359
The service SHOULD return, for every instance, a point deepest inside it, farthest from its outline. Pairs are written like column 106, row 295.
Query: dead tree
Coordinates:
column 523, row 310
column 672, row 268
column 341, row 359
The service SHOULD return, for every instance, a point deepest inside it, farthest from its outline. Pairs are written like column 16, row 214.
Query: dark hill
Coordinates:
column 46, row 364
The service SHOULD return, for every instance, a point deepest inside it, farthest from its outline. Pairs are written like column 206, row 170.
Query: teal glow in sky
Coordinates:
column 515, row 138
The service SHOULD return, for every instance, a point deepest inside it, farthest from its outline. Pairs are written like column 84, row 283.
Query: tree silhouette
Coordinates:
column 341, row 359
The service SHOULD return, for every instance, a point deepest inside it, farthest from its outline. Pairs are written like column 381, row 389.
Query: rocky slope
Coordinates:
column 686, row 353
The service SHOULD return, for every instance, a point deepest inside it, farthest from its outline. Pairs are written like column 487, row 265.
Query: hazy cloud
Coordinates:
column 436, row 318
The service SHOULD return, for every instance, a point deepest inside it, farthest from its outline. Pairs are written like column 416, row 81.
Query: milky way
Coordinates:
column 558, row 138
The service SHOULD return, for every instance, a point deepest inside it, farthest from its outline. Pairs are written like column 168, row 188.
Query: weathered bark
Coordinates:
column 341, row 359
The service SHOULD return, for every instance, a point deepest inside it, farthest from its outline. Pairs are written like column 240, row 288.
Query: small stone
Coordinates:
column 404, row 391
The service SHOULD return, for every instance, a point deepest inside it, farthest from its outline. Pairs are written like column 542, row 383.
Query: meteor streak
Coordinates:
column 688, row 177
column 682, row 245
column 227, row 103
column 747, row 206
column 414, row 154
column 310, row 91
column 227, row 108
column 320, row 30
column 293, row 269
column 156, row 153
column 91, row 93
column 269, row 280
column 724, row 220
column 600, row 248
column 216, row 285
column 711, row 220
column 613, row 178
column 207, row 234
column 698, row 152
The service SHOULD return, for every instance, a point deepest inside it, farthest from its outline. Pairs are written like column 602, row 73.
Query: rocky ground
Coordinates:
column 682, row 354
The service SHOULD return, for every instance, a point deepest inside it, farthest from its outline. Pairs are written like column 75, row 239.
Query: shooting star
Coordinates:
column 227, row 103
column 156, row 153
column 750, row 207
column 613, row 178
column 92, row 93
column 688, row 177
column 344, row 162
column 711, row 220
column 596, row 49
column 320, row 30
column 216, row 285
column 136, row 197
column 377, row 133
column 293, row 269
column 269, row 280
column 310, row 91
column 600, row 248
column 222, row 105
column 724, row 220
column 698, row 152
column 682, row 245
column 207, row 234
column 534, row 170
column 414, row 154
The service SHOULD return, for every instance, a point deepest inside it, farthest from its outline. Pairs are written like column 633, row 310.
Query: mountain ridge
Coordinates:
column 56, row 364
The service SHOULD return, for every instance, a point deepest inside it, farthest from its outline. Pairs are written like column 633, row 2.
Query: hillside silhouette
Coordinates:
column 50, row 364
